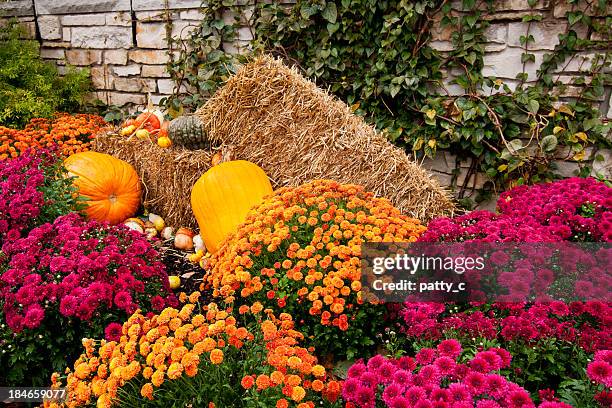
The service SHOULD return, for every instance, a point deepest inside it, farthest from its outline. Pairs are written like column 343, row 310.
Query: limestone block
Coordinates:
column 545, row 34
column 107, row 37
column 52, row 53
column 165, row 86
column 151, row 35
column 49, row 27
column 154, row 71
column 127, row 70
column 83, row 57
column 121, row 98
column 116, row 57
column 80, row 6
column 83, row 20
column 148, row 56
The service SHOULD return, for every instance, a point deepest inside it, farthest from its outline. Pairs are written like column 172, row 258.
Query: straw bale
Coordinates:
column 271, row 115
column 167, row 174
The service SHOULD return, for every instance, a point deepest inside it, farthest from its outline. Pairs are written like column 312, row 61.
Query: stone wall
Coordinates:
column 123, row 43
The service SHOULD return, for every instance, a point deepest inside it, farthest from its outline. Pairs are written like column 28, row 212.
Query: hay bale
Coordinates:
column 167, row 174
column 271, row 115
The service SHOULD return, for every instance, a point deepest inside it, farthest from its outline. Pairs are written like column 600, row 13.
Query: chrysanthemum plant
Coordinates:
column 298, row 252
column 200, row 355
column 68, row 280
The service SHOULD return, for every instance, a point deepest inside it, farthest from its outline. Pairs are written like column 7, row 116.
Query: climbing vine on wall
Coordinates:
column 377, row 56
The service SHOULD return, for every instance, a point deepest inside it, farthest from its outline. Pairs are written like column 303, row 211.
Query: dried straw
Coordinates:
column 167, row 174
column 271, row 115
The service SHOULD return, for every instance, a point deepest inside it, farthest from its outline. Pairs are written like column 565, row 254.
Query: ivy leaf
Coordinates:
column 306, row 11
column 471, row 58
column 332, row 28
column 566, row 109
column 394, row 90
column 418, row 144
column 218, row 24
column 582, row 136
column 527, row 57
column 573, row 18
column 549, row 143
column 471, row 20
column 519, row 118
column 579, row 156
column 590, row 123
column 430, row 113
column 534, row 106
column 330, row 13
column 558, row 129
column 515, row 145
column 502, row 167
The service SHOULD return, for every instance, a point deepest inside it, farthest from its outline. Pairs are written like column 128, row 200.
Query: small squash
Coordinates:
column 164, row 141
column 184, row 239
column 110, row 186
column 223, row 196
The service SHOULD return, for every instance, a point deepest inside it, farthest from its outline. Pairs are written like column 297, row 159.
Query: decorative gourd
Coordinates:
column 164, row 141
column 111, row 186
column 187, row 131
column 222, row 197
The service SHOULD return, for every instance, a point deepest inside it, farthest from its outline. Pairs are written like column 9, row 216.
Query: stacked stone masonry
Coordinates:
column 123, row 43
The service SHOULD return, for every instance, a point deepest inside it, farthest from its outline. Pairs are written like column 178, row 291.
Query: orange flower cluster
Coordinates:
column 166, row 346
column 72, row 133
column 299, row 250
column 295, row 369
column 179, row 344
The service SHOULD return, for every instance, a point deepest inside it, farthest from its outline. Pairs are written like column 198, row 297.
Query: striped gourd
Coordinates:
column 187, row 131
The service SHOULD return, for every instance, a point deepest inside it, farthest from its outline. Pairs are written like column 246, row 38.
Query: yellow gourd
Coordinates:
column 164, row 141
column 222, row 197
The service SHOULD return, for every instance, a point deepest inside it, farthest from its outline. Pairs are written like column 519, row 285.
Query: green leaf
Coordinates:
column 574, row 17
column 330, row 13
column 332, row 28
column 549, row 143
column 218, row 24
column 307, row 11
column 534, row 106
column 491, row 172
column 515, row 145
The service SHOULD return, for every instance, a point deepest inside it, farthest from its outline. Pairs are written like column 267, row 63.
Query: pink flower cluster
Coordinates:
column 600, row 369
column 485, row 226
column 576, row 209
column 20, row 198
column 588, row 324
column 83, row 270
column 436, row 378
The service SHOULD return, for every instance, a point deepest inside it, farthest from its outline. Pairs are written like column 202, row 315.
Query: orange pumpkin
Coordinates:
column 110, row 186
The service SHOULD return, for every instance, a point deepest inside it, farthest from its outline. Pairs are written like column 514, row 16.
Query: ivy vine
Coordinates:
column 377, row 56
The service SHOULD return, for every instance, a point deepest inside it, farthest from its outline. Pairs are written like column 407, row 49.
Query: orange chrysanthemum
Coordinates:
column 70, row 133
column 311, row 237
